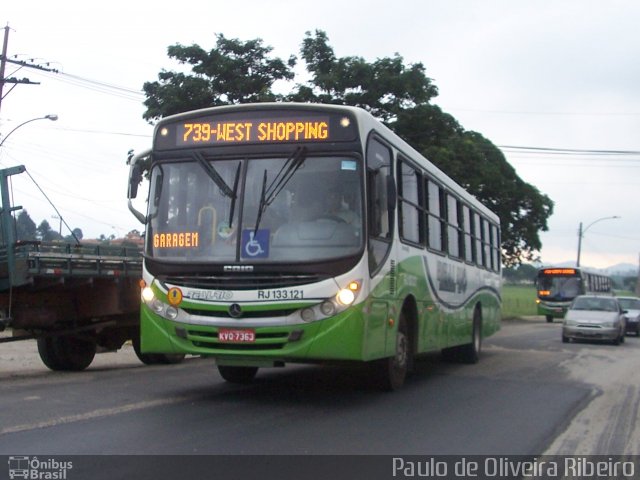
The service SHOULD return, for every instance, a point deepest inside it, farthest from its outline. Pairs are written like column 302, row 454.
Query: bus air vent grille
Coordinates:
column 243, row 281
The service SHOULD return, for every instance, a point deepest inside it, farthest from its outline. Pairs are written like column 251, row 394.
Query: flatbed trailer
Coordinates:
column 75, row 299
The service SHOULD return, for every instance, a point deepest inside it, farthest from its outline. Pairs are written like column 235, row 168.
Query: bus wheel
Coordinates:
column 470, row 353
column 170, row 358
column 391, row 372
column 67, row 353
column 549, row 318
column 237, row 374
column 155, row 358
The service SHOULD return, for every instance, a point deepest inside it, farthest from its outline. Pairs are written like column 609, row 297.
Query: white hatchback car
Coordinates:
column 592, row 317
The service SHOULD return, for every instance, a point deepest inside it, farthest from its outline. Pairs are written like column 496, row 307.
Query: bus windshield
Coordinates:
column 283, row 209
column 558, row 288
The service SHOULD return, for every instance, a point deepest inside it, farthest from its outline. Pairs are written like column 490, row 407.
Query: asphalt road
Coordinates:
column 530, row 394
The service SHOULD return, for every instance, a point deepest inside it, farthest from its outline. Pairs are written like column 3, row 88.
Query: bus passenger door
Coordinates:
column 381, row 200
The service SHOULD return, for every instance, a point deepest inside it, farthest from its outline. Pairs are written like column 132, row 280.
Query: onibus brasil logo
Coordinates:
column 34, row 468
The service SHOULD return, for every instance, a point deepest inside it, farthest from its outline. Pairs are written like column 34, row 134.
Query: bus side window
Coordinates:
column 468, row 234
column 410, row 210
column 453, row 226
column 435, row 208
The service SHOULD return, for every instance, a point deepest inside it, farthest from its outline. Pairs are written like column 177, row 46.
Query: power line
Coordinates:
column 97, row 86
column 528, row 112
column 567, row 151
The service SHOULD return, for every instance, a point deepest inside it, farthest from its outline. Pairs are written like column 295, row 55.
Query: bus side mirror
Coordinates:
column 135, row 177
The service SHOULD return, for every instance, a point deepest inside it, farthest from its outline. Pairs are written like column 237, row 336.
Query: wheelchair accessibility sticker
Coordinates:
column 255, row 244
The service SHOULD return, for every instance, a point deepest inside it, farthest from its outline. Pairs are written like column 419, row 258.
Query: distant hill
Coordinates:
column 624, row 269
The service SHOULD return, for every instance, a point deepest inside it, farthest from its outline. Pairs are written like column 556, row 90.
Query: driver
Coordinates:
column 338, row 208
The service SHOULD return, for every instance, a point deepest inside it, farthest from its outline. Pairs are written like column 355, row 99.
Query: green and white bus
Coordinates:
column 558, row 286
column 281, row 233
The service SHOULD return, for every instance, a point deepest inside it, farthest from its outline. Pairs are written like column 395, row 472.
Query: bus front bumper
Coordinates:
column 335, row 338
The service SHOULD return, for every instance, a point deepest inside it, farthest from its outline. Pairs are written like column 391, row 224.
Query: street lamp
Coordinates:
column 53, row 117
column 581, row 232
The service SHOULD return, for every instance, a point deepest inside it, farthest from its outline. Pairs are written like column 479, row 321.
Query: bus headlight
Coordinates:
column 171, row 313
column 147, row 294
column 334, row 305
column 157, row 306
column 308, row 314
column 347, row 296
column 327, row 308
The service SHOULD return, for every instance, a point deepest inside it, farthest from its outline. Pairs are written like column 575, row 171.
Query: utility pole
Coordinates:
column 3, row 63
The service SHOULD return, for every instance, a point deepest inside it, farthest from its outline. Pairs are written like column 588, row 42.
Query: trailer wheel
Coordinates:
column 67, row 352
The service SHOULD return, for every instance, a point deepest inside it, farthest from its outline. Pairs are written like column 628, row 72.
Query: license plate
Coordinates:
column 236, row 335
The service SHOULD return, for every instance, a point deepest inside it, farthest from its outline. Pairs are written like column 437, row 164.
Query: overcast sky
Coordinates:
column 547, row 74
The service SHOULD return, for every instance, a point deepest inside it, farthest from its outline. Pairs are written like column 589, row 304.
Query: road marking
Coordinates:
column 102, row 412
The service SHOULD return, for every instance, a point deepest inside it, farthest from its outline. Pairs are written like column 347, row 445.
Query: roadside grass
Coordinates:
column 518, row 301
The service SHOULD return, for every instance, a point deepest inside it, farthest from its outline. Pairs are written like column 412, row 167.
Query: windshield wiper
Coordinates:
column 219, row 181
column 234, row 194
column 214, row 175
column 288, row 170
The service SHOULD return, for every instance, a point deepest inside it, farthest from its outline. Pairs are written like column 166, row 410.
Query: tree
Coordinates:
column 400, row 97
column 397, row 94
column 46, row 233
column 233, row 72
column 77, row 234
column 25, row 227
column 385, row 87
column 523, row 273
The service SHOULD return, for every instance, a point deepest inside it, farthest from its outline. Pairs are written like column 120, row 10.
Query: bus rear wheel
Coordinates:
column 470, row 352
column 240, row 375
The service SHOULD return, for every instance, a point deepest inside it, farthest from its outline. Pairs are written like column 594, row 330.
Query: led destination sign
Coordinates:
column 559, row 271
column 275, row 131
column 255, row 128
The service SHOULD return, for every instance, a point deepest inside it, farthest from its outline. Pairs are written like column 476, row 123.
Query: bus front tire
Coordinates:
column 390, row 373
column 155, row 358
column 241, row 375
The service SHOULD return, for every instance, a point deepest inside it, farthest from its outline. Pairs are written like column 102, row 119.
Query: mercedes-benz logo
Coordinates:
column 235, row 311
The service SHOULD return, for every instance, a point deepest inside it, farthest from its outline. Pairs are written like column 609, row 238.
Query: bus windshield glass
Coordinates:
column 558, row 287
column 294, row 208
